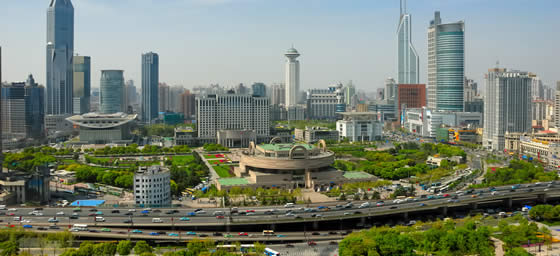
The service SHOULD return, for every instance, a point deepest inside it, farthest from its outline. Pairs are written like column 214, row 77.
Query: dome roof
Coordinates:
column 292, row 51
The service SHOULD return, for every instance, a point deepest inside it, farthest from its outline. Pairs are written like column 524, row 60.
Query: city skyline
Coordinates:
column 361, row 46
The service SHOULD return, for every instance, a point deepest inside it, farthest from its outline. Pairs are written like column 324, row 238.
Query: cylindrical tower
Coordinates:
column 292, row 77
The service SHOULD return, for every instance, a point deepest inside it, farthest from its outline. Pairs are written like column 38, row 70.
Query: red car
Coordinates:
column 250, row 211
column 10, row 214
column 243, row 234
column 92, row 214
column 446, row 195
column 220, row 217
column 311, row 243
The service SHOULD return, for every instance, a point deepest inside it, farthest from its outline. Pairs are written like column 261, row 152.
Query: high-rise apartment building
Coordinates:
column 23, row 110
column 131, row 99
column 278, row 94
column 150, row 81
column 188, row 105
column 163, row 95
column 292, row 77
column 537, row 87
column 60, row 51
column 111, row 92
column 82, row 84
column 507, row 106
column 446, row 65
column 470, row 90
column 232, row 112
column 408, row 60
column 557, row 105
column 349, row 92
column 175, row 93
column 391, row 90
column 411, row 96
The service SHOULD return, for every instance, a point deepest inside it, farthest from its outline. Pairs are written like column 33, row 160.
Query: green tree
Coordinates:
column 517, row 251
column 124, row 247
column 9, row 248
column 142, row 247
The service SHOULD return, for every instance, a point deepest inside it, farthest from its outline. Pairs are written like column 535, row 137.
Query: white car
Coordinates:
column 60, row 213
column 290, row 214
column 12, row 210
column 131, row 210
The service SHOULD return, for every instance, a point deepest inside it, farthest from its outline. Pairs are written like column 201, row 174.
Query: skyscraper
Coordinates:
column 111, row 92
column 150, row 81
column 258, row 89
column 557, row 105
column 188, row 105
column 82, row 84
column 408, row 60
column 278, row 94
column 163, row 95
column 130, row 91
column 23, row 109
column 446, row 65
column 292, row 77
column 507, row 106
column 60, row 51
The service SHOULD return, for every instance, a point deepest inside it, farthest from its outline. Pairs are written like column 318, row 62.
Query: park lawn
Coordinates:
column 181, row 160
column 216, row 162
column 222, row 171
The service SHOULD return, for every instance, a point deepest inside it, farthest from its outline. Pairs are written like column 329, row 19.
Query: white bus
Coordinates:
column 79, row 227
column 270, row 252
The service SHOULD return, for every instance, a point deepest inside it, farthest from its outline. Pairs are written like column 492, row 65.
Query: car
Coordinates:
column 198, row 210
column 280, row 235
column 393, row 207
column 446, row 195
column 137, row 231
column 290, row 246
column 357, row 212
column 54, row 227
column 154, row 234
column 422, row 204
column 431, row 197
column 250, row 211
column 318, row 216
column 217, row 234
column 105, row 230
column 173, row 234
column 38, row 209
column 93, row 210
column 77, row 209
column 315, row 233
column 42, row 228
column 27, row 226
column 191, row 214
column 333, row 233
column 115, row 211
column 10, row 214
column 346, row 213
column 74, row 216
column 191, row 233
column 157, row 211
column 60, row 213
column 53, row 220
column 12, row 210
column 145, row 212
column 162, row 232
column 169, row 212
column 127, row 221
column 99, row 213
column 291, row 214
column 185, row 219
column 250, row 214
column 333, row 243
column 93, row 231
column 220, row 217
column 129, row 214
column 131, row 210
column 228, row 235
column 474, row 196
column 380, row 204
column 202, row 235
column 121, row 232
column 243, row 234
column 311, row 243
column 175, row 211
column 92, row 214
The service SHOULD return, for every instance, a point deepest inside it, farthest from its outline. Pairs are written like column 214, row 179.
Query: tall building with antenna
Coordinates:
column 292, row 77
column 408, row 60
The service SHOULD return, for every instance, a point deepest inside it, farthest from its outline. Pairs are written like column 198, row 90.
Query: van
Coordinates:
column 157, row 220
column 99, row 219
column 289, row 205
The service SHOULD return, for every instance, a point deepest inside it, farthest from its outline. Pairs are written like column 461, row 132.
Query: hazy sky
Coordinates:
column 243, row 41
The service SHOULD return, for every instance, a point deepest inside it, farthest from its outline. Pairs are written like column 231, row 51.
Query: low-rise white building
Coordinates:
column 360, row 126
column 152, row 186
column 425, row 122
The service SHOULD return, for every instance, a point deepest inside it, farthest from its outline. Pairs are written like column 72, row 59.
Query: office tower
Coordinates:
column 391, row 90
column 292, row 77
column 411, row 96
column 349, row 92
column 507, row 106
column 408, row 60
column 82, row 84
column 537, row 87
column 163, row 97
column 130, row 91
column 239, row 116
column 258, row 89
column 557, row 105
column 323, row 103
column 278, row 94
column 150, row 81
column 470, row 90
column 60, row 50
column 446, row 65
column 111, row 92
column 23, row 110
column 188, row 105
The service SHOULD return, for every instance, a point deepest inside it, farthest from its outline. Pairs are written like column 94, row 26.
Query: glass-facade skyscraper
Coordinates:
column 111, row 92
column 82, row 84
column 60, row 51
column 446, row 65
column 150, row 81
column 408, row 60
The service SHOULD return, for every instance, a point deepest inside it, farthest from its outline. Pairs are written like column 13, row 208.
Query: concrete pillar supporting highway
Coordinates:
column 474, row 205
column 362, row 221
column 542, row 198
column 508, row 202
column 444, row 210
column 405, row 215
column 315, row 225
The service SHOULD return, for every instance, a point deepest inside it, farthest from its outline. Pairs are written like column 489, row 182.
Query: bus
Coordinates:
column 270, row 252
column 268, row 232
column 79, row 227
